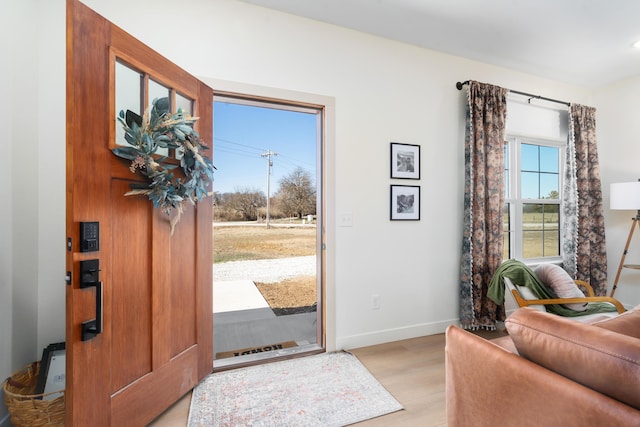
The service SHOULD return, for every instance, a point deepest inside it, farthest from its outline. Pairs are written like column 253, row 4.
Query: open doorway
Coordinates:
column 267, row 230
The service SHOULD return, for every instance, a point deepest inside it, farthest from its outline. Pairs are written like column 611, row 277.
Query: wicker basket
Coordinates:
column 28, row 409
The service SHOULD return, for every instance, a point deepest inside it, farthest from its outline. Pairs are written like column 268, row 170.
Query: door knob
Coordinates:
column 91, row 328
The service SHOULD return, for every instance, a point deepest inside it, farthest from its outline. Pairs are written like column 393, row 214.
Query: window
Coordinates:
column 532, row 198
column 534, row 164
column 136, row 91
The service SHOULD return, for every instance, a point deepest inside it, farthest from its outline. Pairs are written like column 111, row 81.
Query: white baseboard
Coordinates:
column 390, row 335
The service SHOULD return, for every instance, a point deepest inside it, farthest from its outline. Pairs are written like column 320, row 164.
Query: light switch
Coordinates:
column 346, row 219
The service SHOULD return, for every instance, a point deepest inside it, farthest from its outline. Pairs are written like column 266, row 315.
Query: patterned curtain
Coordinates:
column 483, row 204
column 584, row 251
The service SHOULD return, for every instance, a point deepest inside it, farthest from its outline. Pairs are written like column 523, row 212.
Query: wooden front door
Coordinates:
column 157, row 322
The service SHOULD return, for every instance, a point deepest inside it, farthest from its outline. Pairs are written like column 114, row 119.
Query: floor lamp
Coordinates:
column 626, row 196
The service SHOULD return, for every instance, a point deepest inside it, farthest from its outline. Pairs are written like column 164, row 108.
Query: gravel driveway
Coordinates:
column 265, row 270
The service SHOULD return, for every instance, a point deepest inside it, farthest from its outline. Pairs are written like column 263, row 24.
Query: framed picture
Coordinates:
column 405, row 161
column 405, row 202
column 52, row 371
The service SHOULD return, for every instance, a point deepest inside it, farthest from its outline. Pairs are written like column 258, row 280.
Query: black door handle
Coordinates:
column 91, row 328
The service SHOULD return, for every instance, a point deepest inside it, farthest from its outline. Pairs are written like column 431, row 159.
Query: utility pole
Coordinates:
column 268, row 155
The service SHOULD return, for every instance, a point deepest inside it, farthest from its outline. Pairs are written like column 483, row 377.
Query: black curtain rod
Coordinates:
column 459, row 85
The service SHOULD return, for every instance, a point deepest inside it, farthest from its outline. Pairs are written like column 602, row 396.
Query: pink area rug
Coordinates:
column 331, row 389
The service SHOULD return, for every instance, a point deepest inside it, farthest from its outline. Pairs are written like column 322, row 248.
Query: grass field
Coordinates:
column 231, row 243
column 540, row 235
column 256, row 242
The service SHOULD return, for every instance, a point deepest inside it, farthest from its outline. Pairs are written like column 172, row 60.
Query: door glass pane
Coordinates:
column 156, row 90
column 186, row 105
column 128, row 95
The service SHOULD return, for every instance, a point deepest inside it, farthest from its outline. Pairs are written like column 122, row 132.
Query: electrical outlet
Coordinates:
column 375, row 302
column 346, row 219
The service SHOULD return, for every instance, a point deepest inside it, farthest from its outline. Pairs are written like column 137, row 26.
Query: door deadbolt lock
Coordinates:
column 89, row 273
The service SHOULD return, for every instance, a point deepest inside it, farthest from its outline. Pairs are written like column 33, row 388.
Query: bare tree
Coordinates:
column 297, row 194
column 245, row 202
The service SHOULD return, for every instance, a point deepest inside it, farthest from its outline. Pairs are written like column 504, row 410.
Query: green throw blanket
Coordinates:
column 522, row 275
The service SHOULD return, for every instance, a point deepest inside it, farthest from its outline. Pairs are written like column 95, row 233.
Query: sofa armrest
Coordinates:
column 487, row 385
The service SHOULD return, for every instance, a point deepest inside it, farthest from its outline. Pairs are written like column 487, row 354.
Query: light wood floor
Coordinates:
column 411, row 370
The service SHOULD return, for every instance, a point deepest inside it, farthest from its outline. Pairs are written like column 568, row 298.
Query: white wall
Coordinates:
column 32, row 194
column 25, row 173
column 6, row 211
column 384, row 91
column 51, row 78
column 618, row 134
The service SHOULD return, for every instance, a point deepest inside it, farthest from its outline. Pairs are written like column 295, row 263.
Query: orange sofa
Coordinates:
column 549, row 371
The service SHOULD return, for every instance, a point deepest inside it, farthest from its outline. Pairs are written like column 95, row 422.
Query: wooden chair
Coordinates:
column 524, row 297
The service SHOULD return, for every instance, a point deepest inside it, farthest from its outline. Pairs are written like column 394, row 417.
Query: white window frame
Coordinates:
column 516, row 202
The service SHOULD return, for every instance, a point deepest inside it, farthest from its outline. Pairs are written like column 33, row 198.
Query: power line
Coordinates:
column 243, row 153
column 291, row 160
column 237, row 143
column 284, row 160
column 296, row 162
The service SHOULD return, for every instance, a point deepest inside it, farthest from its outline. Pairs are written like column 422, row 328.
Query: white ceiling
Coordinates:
column 582, row 42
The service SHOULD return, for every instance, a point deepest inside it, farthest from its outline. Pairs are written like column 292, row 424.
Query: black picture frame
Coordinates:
column 405, row 161
column 49, row 352
column 405, row 202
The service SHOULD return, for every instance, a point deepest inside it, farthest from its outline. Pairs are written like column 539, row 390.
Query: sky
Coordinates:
column 539, row 170
column 241, row 134
column 543, row 164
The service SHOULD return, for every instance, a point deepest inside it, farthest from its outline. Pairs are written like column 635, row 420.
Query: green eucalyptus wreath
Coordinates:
column 158, row 128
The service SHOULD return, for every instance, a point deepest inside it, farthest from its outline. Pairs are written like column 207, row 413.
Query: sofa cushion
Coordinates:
column 559, row 281
column 627, row 323
column 601, row 359
column 505, row 342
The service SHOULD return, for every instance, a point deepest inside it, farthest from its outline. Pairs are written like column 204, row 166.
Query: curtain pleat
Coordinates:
column 483, row 204
column 584, row 243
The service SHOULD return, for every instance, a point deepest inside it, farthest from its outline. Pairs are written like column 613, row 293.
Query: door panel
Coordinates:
column 143, row 400
column 130, row 281
column 182, row 308
column 157, row 336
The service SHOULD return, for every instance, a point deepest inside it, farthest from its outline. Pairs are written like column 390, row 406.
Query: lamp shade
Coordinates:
column 625, row 196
